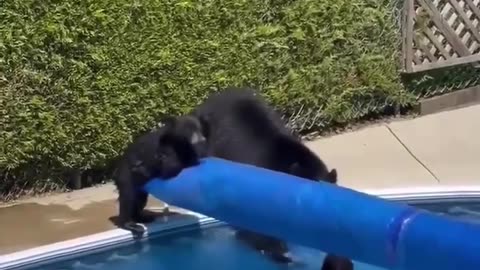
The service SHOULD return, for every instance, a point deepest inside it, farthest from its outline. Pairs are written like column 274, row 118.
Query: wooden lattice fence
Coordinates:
column 440, row 33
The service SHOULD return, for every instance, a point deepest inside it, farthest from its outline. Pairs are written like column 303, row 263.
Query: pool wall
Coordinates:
column 188, row 220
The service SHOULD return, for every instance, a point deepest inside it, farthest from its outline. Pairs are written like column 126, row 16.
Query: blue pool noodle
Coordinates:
column 323, row 216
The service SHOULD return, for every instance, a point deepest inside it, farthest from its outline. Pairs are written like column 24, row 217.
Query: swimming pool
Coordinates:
column 212, row 246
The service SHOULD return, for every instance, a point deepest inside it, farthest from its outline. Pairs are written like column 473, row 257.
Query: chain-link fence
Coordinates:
column 310, row 120
column 434, row 83
column 22, row 181
column 421, row 85
column 312, row 115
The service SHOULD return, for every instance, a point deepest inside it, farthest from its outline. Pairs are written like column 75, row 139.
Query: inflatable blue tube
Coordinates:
column 323, row 216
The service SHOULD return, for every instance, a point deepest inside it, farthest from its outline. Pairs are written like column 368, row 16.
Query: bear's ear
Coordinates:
column 331, row 177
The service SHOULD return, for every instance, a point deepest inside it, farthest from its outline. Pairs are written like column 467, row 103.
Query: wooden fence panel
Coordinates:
column 440, row 33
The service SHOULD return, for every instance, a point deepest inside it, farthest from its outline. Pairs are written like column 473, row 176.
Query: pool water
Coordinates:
column 215, row 248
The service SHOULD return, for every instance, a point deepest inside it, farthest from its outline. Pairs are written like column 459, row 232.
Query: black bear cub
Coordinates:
column 163, row 153
column 242, row 127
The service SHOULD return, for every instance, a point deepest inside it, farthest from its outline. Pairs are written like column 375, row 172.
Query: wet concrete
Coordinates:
column 28, row 225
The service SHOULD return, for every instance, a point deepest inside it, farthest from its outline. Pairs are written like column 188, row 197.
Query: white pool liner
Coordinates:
column 94, row 243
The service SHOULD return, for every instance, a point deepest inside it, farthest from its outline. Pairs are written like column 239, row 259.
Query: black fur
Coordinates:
column 163, row 152
column 333, row 262
column 242, row 127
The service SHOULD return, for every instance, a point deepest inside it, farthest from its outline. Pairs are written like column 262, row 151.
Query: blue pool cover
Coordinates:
column 323, row 216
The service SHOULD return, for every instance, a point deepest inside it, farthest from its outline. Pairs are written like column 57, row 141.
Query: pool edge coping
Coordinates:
column 103, row 241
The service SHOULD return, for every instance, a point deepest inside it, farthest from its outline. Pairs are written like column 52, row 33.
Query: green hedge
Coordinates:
column 79, row 78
